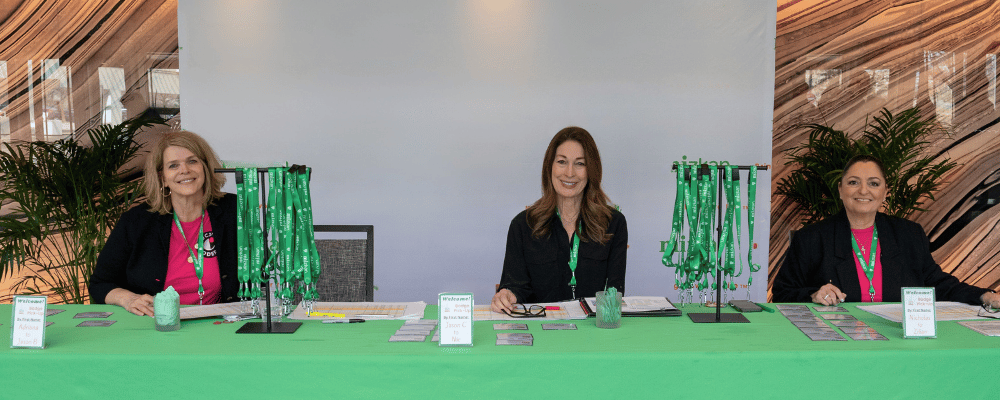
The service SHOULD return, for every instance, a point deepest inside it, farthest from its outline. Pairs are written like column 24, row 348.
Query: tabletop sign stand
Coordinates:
column 919, row 319
column 455, row 311
column 267, row 326
column 718, row 316
column 27, row 322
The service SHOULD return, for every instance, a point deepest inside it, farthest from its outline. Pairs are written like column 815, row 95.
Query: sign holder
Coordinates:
column 919, row 313
column 27, row 322
column 455, row 312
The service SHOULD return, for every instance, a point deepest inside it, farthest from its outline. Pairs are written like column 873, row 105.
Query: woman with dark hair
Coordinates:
column 862, row 255
column 571, row 243
column 184, row 235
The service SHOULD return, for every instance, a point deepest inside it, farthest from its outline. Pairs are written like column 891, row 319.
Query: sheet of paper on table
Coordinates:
column 988, row 328
column 216, row 310
column 567, row 310
column 363, row 310
column 642, row 305
column 945, row 311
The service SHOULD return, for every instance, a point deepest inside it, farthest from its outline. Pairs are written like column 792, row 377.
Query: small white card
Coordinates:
column 455, row 312
column 27, row 327
column 918, row 313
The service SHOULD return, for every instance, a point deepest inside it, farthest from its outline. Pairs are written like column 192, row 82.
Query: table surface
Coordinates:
column 767, row 357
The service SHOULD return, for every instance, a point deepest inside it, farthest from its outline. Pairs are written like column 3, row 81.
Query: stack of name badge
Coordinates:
column 513, row 339
column 856, row 330
column 816, row 328
column 811, row 325
column 416, row 331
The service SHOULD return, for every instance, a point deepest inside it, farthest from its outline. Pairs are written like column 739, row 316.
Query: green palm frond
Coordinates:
column 64, row 197
column 899, row 140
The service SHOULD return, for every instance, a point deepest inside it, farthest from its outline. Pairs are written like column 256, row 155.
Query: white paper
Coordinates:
column 944, row 311
column 28, row 322
column 568, row 310
column 455, row 312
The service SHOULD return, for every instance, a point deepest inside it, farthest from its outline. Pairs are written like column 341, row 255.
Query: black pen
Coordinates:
column 343, row 321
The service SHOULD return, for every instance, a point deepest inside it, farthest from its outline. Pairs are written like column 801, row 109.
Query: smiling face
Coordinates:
column 183, row 173
column 569, row 170
column 863, row 190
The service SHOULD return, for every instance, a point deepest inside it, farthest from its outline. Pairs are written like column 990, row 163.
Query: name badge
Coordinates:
column 919, row 313
column 27, row 325
column 455, row 319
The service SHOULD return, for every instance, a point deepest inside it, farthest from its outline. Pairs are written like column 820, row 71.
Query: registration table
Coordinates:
column 644, row 358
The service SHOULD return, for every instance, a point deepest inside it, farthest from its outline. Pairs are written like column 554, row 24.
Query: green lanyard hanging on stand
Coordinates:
column 751, row 212
column 677, row 227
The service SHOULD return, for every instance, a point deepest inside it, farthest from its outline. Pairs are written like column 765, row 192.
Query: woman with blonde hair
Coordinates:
column 184, row 235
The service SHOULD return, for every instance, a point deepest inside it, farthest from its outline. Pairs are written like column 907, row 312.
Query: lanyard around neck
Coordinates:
column 195, row 255
column 868, row 267
column 573, row 254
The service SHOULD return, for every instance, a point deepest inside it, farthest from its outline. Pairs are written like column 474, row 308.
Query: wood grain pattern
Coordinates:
column 941, row 57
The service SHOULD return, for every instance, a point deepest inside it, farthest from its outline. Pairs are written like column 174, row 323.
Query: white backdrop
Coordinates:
column 429, row 119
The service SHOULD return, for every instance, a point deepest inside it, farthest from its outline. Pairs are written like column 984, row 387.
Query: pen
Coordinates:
column 765, row 308
column 343, row 321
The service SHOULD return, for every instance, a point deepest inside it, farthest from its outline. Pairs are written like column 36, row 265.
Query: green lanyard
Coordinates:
column 199, row 260
column 573, row 255
column 675, row 230
column 869, row 266
column 751, row 210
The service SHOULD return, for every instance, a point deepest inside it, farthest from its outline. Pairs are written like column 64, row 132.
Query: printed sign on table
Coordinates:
column 455, row 312
column 918, row 313
column 27, row 328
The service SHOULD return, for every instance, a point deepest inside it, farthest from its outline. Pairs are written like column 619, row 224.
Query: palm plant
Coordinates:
column 897, row 140
column 65, row 197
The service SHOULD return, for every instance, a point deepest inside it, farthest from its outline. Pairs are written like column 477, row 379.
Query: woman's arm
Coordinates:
column 515, row 279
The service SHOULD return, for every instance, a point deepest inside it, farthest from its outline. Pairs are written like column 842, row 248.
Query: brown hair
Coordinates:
column 862, row 158
column 154, row 166
column 594, row 210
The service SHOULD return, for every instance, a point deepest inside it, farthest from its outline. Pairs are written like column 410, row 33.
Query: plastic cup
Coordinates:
column 609, row 310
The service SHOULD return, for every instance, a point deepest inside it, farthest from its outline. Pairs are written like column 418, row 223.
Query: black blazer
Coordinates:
column 821, row 253
column 135, row 255
column 537, row 270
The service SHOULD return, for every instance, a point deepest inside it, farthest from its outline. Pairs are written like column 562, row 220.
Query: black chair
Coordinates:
column 347, row 264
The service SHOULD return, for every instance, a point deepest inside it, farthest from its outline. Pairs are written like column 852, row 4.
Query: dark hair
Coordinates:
column 154, row 166
column 595, row 213
column 862, row 158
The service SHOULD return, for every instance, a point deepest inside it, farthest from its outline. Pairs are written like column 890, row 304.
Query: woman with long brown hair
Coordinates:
column 571, row 243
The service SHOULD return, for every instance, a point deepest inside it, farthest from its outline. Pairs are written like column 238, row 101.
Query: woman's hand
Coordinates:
column 991, row 299
column 133, row 303
column 503, row 301
column 828, row 295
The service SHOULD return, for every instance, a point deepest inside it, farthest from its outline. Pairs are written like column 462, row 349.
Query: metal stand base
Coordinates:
column 723, row 318
column 276, row 327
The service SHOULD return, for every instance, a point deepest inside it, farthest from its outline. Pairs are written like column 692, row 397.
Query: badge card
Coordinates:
column 918, row 313
column 455, row 312
column 27, row 325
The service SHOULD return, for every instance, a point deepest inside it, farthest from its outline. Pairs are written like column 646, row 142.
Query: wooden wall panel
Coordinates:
column 941, row 58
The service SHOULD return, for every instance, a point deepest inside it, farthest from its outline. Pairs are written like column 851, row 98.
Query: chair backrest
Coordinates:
column 347, row 264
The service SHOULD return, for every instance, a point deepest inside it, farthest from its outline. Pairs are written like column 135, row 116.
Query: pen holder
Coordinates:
column 167, row 310
column 609, row 309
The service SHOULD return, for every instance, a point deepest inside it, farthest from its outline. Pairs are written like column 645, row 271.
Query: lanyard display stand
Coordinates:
column 267, row 326
column 718, row 316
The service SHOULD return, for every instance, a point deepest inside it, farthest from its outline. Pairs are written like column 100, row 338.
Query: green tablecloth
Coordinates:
column 649, row 357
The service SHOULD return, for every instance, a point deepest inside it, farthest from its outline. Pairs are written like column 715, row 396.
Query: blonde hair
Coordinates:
column 154, row 167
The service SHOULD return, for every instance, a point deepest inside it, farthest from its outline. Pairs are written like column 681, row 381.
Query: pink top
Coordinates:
column 864, row 238
column 181, row 274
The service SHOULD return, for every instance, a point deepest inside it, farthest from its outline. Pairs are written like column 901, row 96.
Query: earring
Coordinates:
column 165, row 191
